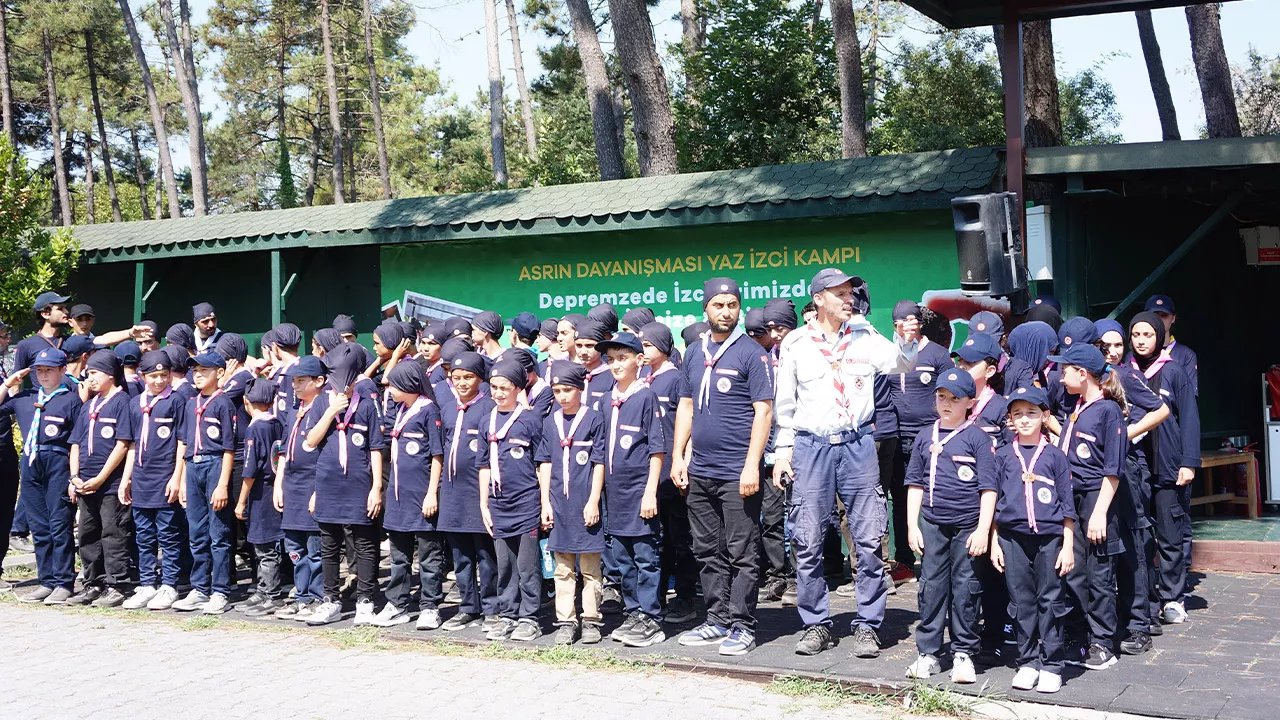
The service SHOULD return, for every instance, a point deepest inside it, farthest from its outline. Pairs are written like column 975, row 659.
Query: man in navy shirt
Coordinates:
column 51, row 311
column 726, row 410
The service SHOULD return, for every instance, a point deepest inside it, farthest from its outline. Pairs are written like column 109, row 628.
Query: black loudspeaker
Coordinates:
column 989, row 244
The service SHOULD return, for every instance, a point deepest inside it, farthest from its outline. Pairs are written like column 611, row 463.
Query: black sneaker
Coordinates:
column 866, row 644
column 268, row 606
column 611, row 601
column 254, row 600
column 1075, row 653
column 645, row 632
column 816, row 638
column 772, row 590
column 567, row 634
column 1100, row 658
column 1136, row 644
column 87, row 595
column 1155, row 629
column 628, row 623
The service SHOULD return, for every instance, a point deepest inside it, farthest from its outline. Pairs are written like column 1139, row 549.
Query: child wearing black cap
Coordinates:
column 208, row 447
column 633, row 464
column 486, row 329
column 1034, row 540
column 1094, row 441
column 464, row 410
column 663, row 379
column 951, row 500
column 412, row 505
column 45, row 416
column 152, row 476
column 100, row 440
column 296, row 482
column 348, row 485
column 509, row 502
column 599, row 381
column 571, row 479
column 606, row 315
column 130, row 354
column 255, row 504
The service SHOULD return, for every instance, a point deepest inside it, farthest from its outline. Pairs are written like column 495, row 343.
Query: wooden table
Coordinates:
column 1226, row 458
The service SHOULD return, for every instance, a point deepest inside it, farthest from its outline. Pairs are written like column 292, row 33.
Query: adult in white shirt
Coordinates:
column 826, row 412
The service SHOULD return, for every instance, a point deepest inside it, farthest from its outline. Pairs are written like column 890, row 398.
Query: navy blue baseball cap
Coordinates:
column 831, row 277
column 308, row 366
column 1077, row 331
column 622, row 341
column 77, row 345
column 210, row 359
column 959, row 382
column 46, row 299
column 525, row 325
column 988, row 323
column 1082, row 355
column 129, row 353
column 979, row 346
column 1048, row 300
column 50, row 357
column 1160, row 304
column 1031, row 394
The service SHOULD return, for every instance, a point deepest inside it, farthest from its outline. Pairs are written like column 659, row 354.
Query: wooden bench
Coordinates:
column 1226, row 458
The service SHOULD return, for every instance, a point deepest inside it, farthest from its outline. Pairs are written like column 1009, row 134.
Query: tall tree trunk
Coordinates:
column 652, row 123
column 190, row 106
column 313, row 167
column 1040, row 78
column 138, row 175
column 497, row 107
column 375, row 91
column 157, row 114
column 55, row 130
column 603, row 126
column 1220, row 115
column 526, row 103
column 90, row 209
column 693, row 35
column 816, row 18
column 872, row 71
column 92, row 66
column 1155, row 71
column 6, row 91
column 853, row 102
column 335, row 115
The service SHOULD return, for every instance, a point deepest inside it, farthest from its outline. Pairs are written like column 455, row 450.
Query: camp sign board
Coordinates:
column 899, row 255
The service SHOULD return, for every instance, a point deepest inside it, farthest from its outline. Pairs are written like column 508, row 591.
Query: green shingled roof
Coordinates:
column 843, row 187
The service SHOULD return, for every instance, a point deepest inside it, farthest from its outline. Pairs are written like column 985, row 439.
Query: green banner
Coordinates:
column 899, row 255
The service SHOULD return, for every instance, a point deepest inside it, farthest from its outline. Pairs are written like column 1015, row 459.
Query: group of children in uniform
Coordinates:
column 1046, row 494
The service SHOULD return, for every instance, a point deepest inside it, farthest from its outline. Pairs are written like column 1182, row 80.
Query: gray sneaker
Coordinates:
column 460, row 621
column 194, row 600
column 526, row 630
column 502, row 630
column 591, row 633
column 866, row 644
column 37, row 595
column 58, row 596
column 217, row 605
column 567, row 634
column 109, row 599
column 816, row 639
column 645, row 632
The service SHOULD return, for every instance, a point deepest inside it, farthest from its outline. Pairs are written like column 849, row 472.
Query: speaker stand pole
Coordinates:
column 1015, row 151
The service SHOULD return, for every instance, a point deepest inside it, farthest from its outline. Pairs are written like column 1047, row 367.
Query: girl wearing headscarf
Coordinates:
column 1031, row 342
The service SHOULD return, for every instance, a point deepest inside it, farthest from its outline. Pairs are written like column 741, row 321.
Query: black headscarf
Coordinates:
column 1156, row 324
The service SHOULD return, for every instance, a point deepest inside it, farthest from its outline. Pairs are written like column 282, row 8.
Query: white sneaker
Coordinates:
column 1025, row 678
column 193, row 601
column 1174, row 613
column 390, row 616
column 217, row 605
column 139, row 598
column 428, row 619
column 1049, row 682
column 364, row 613
column 923, row 667
column 962, row 672
column 325, row 613
column 305, row 611
column 164, row 598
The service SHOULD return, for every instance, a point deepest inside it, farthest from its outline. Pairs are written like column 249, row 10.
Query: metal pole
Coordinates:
column 139, row 308
column 1015, row 151
column 276, row 309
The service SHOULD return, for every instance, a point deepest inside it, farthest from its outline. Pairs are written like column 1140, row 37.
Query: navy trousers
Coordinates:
column 950, row 591
column 50, row 516
column 475, row 568
column 1035, row 598
column 641, row 570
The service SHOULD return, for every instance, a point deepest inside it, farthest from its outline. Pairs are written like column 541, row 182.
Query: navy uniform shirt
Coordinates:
column 234, row 388
column 210, row 426
column 342, row 494
column 24, row 353
column 134, row 385
column 634, row 434
column 886, row 422
column 415, row 440
column 460, row 481
column 300, row 466
column 966, row 467
column 100, row 424
column 57, row 416
column 1017, row 374
column 599, row 383
column 366, row 388
column 1177, row 439
column 262, row 442
column 993, row 418
column 1142, row 400
column 285, row 400
column 1051, row 498
column 582, row 450
column 541, row 398
column 515, row 502
column 1096, row 445
column 159, row 422
column 185, row 389
column 913, row 392
column 722, row 417
column 666, row 390
column 1190, row 363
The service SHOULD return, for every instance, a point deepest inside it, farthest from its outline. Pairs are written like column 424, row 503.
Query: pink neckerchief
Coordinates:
column 528, row 395
column 833, row 353
column 297, row 423
column 457, row 432
column 566, row 442
column 147, row 407
column 1064, row 440
column 352, row 405
column 1154, row 368
column 403, row 416
column 984, row 398
column 497, row 435
column 1029, row 479
column 709, row 362
column 666, row 366
column 616, row 400
column 200, row 408
column 935, row 449
column 94, row 406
